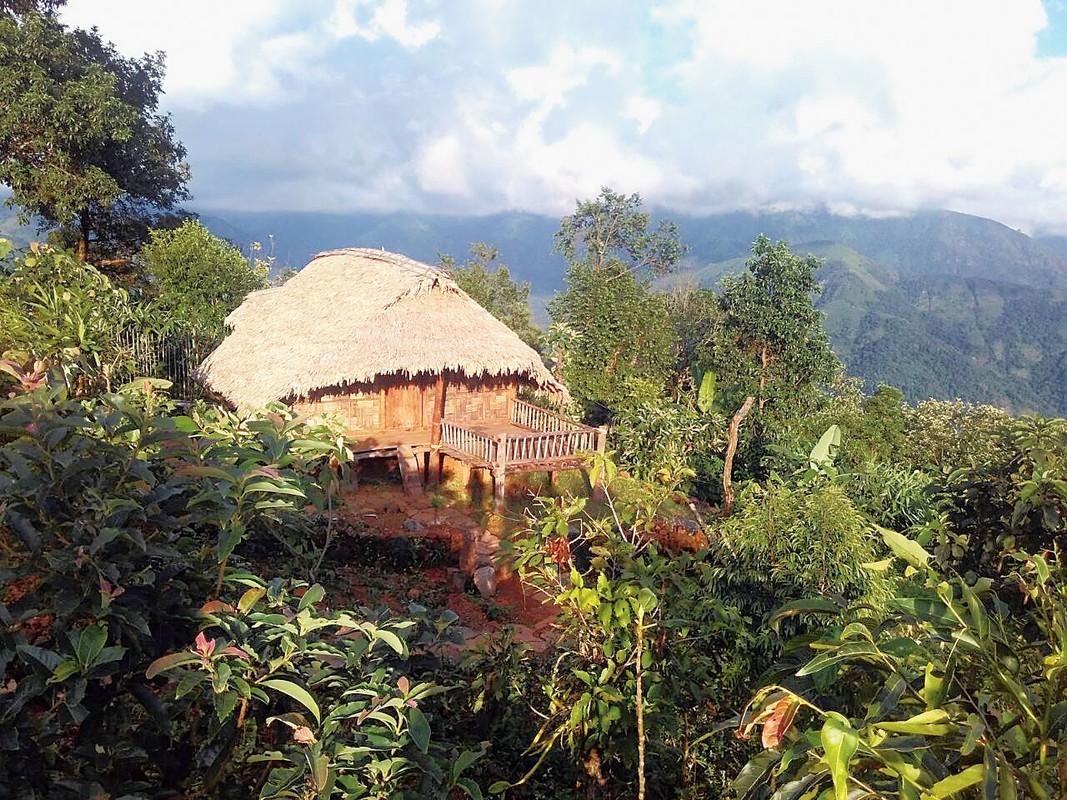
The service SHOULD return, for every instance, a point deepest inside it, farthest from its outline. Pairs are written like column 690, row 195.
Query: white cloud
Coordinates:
column 383, row 18
column 698, row 104
column 644, row 111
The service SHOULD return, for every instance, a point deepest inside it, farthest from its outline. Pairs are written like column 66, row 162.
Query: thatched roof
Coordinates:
column 353, row 315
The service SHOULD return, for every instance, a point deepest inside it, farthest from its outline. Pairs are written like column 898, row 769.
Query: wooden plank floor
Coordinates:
column 382, row 442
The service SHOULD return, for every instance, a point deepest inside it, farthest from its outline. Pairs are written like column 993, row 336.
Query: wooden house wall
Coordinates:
column 408, row 405
column 477, row 401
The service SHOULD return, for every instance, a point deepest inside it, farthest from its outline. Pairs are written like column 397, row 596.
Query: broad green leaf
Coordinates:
column 64, row 671
column 754, row 773
column 903, row 547
column 839, row 743
column 934, row 686
column 391, row 639
column 419, row 728
column 206, row 472
column 974, row 731
column 706, row 392
column 957, row 783
column 320, row 770
column 275, row 487
column 167, row 662
column 795, row 789
column 296, row 692
column 312, row 596
column 89, row 642
column 250, row 598
column 847, row 652
column 928, row 723
column 822, row 455
column 978, row 613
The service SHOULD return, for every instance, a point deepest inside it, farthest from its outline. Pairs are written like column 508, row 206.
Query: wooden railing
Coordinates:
column 548, row 446
column 527, row 415
column 481, row 447
column 552, row 438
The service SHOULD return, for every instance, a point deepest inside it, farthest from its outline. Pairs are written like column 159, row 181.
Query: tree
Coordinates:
column 199, row 277
column 771, row 342
column 612, row 232
column 82, row 145
column 770, row 346
column 613, row 335
column 490, row 284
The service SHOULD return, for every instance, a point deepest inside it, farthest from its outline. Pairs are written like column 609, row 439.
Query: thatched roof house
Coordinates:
column 409, row 361
column 354, row 317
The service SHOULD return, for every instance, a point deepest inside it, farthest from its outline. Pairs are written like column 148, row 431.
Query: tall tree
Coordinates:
column 770, row 348
column 82, row 144
column 612, row 233
column 613, row 334
column 770, row 341
column 488, row 281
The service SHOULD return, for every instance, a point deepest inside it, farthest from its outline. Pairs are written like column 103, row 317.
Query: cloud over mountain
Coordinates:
column 700, row 105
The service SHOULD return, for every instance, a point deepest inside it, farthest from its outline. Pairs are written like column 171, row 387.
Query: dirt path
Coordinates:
column 381, row 510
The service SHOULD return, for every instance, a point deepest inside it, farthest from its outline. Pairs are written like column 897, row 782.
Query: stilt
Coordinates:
column 499, row 477
column 409, row 471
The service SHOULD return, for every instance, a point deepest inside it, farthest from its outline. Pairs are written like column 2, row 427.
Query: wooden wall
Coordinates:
column 408, row 405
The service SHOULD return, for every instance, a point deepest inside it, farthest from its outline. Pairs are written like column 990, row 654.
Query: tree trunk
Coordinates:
column 435, row 430
column 731, row 451
column 83, row 237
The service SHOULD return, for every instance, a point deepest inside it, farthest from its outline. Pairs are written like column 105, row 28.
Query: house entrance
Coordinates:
column 404, row 407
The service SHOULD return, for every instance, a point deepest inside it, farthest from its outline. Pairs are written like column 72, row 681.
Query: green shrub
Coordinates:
column 114, row 518
column 952, row 695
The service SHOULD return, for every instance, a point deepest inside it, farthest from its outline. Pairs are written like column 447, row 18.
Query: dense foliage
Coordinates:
column 58, row 312
column 198, row 278
column 951, row 695
column 611, row 333
column 118, row 520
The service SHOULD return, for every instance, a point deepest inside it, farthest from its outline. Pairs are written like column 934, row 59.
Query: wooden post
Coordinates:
column 499, row 471
column 731, row 450
column 435, row 429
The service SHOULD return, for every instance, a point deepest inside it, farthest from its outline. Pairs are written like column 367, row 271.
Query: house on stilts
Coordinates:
column 409, row 361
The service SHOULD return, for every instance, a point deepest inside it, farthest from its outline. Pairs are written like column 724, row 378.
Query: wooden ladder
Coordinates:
column 410, row 470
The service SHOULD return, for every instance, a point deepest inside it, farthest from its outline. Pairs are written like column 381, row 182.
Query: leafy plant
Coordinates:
column 951, row 696
column 317, row 702
column 65, row 315
column 643, row 652
column 112, row 513
column 659, row 435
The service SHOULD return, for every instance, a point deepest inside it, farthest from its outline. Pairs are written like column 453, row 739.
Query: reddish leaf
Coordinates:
column 775, row 728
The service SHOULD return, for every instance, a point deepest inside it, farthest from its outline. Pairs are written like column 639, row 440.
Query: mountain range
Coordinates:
column 937, row 303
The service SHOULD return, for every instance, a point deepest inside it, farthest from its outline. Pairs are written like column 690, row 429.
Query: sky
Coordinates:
column 701, row 106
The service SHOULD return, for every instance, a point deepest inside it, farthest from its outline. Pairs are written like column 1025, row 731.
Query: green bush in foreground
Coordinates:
column 951, row 696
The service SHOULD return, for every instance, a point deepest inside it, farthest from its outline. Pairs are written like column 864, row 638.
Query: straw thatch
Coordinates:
column 352, row 316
